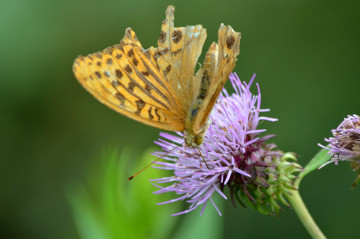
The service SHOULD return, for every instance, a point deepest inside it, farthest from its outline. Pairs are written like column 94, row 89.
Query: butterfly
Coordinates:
column 158, row 86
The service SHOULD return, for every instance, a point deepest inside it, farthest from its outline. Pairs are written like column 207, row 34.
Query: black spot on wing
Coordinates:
column 131, row 86
column 167, row 70
column 230, row 41
column 139, row 105
column 98, row 75
column 130, row 53
column 157, row 114
column 150, row 113
column 128, row 69
column 118, row 74
column 176, row 36
column 204, row 85
column 162, row 37
column 120, row 97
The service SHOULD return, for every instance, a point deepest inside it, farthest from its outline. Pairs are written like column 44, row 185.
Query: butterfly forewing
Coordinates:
column 177, row 54
column 125, row 78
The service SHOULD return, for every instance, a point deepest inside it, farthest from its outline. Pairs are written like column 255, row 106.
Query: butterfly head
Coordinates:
column 193, row 140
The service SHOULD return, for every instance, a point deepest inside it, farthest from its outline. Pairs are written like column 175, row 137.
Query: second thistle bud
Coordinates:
column 345, row 143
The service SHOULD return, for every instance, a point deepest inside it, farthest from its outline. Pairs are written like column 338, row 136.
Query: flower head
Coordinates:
column 345, row 143
column 233, row 155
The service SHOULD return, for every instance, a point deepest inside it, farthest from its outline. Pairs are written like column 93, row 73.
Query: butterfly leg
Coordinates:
column 201, row 155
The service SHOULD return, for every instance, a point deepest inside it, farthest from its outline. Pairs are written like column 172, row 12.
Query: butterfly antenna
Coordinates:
column 356, row 182
column 133, row 176
column 184, row 142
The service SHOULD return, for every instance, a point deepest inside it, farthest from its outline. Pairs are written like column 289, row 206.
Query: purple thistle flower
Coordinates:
column 235, row 155
column 345, row 143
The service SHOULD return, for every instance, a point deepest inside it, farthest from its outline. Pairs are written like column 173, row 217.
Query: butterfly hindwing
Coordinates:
column 218, row 64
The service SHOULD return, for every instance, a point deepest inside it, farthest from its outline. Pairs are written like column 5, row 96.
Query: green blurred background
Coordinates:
column 305, row 54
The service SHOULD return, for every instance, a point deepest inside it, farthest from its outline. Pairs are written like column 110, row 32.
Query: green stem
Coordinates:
column 302, row 212
column 296, row 201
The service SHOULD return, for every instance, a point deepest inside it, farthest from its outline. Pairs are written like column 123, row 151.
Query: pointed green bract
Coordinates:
column 317, row 161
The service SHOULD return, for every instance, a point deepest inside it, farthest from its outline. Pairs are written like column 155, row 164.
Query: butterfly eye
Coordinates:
column 198, row 139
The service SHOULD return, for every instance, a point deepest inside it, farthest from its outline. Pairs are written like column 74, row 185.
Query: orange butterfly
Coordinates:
column 157, row 86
